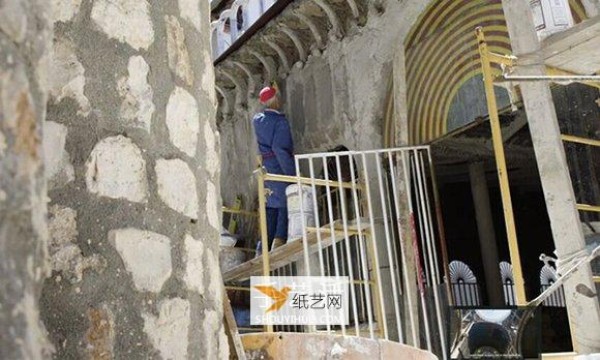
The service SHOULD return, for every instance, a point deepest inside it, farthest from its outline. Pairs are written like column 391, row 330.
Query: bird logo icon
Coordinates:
column 279, row 296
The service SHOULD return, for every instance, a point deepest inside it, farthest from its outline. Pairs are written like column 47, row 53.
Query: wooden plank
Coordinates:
column 232, row 330
column 292, row 251
column 576, row 50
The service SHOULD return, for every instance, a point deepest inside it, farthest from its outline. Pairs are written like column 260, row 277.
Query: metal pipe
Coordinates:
column 374, row 243
column 509, row 220
column 552, row 78
column 585, row 207
column 262, row 212
column 421, row 215
column 361, row 247
column 430, row 246
column 441, row 231
column 580, row 140
column 306, row 181
column 402, row 250
column 317, row 225
column 417, row 255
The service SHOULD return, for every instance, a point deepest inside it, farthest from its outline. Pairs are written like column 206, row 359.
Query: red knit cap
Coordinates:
column 267, row 94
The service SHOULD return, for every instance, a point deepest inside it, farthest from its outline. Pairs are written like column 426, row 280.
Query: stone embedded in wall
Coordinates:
column 211, row 157
column 100, row 335
column 67, row 78
column 190, row 11
column 147, row 256
column 215, row 348
column 13, row 19
column 59, row 170
column 177, row 186
column 212, row 209
column 64, row 10
column 65, row 256
column 116, row 169
column 177, row 52
column 183, row 121
column 194, row 264
column 137, row 106
column 168, row 331
column 125, row 20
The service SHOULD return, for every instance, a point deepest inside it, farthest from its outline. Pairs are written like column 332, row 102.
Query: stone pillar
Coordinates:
column 24, row 37
column 133, row 182
column 487, row 234
column 583, row 309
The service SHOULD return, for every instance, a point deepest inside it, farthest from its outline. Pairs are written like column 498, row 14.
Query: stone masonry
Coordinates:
column 25, row 36
column 124, row 263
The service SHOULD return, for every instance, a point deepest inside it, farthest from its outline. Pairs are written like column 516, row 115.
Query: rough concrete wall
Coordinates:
column 25, row 31
column 133, row 182
column 337, row 97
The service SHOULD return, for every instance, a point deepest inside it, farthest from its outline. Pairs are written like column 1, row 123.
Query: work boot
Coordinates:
column 277, row 242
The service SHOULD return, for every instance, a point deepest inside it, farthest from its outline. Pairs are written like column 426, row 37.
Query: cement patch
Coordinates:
column 116, row 169
column 137, row 106
column 177, row 186
column 125, row 20
column 146, row 255
column 183, row 121
column 168, row 331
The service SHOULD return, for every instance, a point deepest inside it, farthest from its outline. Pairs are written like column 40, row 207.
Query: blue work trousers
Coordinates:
column 277, row 224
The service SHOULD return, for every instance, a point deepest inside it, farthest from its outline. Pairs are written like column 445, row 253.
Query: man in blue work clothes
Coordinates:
column 276, row 147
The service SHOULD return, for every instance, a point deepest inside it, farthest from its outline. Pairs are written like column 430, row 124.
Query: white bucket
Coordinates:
column 295, row 214
column 551, row 16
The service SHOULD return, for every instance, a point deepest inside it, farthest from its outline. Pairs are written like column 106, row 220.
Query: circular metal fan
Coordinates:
column 506, row 272
column 459, row 271
column 547, row 275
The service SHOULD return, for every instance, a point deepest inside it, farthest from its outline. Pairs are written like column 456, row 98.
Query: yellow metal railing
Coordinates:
column 487, row 58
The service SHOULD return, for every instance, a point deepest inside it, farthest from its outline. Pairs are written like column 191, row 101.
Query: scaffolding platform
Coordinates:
column 294, row 250
column 576, row 50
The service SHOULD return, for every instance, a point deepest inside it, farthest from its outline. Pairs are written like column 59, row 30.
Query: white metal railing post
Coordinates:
column 331, row 225
column 389, row 248
column 346, row 241
column 373, row 239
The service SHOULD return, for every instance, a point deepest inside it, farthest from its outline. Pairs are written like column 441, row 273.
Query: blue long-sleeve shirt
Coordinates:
column 276, row 147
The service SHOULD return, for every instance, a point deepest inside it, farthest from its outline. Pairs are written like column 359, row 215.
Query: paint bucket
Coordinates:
column 551, row 16
column 300, row 209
